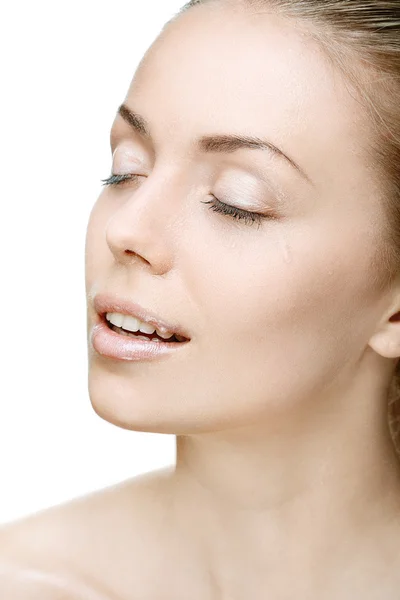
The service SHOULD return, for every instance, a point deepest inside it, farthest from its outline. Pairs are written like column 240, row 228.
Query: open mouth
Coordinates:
column 152, row 337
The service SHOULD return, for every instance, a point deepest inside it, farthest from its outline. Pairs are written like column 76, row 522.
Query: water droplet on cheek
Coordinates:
column 286, row 251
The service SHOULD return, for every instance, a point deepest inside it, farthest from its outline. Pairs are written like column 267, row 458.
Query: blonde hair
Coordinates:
column 362, row 38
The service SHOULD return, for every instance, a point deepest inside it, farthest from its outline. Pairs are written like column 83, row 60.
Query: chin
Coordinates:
column 123, row 406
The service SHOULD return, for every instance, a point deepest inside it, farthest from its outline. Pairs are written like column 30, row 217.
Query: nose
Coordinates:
column 139, row 231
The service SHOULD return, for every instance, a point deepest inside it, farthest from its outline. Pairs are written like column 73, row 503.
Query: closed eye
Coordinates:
column 117, row 179
column 237, row 213
column 215, row 204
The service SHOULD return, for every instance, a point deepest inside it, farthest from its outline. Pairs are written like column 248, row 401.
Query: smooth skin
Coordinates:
column 286, row 483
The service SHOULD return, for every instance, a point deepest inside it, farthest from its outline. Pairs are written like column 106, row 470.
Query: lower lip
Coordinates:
column 121, row 347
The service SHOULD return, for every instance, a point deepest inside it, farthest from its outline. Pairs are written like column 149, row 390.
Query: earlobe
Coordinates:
column 386, row 339
column 386, row 342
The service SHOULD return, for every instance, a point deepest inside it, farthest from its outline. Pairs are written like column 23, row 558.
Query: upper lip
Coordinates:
column 104, row 303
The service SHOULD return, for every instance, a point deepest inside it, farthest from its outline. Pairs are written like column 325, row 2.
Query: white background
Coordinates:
column 65, row 68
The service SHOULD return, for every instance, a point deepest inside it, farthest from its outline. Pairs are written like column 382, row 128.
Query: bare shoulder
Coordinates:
column 87, row 547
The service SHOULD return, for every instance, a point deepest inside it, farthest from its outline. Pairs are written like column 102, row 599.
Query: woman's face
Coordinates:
column 278, row 311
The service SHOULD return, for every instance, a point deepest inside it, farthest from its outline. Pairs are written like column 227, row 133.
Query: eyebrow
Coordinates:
column 213, row 143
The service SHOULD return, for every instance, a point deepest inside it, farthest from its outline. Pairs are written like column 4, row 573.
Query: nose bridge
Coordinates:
column 141, row 225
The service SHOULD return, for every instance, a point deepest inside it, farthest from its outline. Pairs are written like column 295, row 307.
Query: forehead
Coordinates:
column 234, row 71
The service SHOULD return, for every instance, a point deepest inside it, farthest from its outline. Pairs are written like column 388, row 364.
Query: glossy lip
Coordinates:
column 111, row 344
column 104, row 303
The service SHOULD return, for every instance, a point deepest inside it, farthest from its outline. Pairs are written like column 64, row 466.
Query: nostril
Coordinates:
column 133, row 253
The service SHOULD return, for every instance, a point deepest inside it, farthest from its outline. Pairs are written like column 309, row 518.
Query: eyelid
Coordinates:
column 256, row 183
column 252, row 176
column 123, row 154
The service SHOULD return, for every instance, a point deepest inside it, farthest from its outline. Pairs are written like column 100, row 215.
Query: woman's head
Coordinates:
column 288, row 314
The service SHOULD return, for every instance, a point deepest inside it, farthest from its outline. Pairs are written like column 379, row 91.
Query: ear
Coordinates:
column 386, row 339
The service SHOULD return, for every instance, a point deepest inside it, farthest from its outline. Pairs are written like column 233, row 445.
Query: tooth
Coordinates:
column 146, row 328
column 118, row 319
column 165, row 335
column 130, row 323
column 115, row 318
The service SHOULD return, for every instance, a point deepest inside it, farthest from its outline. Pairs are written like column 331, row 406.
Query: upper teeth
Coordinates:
column 133, row 324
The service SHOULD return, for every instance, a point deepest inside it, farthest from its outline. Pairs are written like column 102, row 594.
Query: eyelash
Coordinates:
column 216, row 205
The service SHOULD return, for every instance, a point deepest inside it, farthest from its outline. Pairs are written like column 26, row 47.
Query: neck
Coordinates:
column 282, row 495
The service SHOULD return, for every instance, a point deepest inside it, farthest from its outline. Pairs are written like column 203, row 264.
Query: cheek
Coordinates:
column 284, row 308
